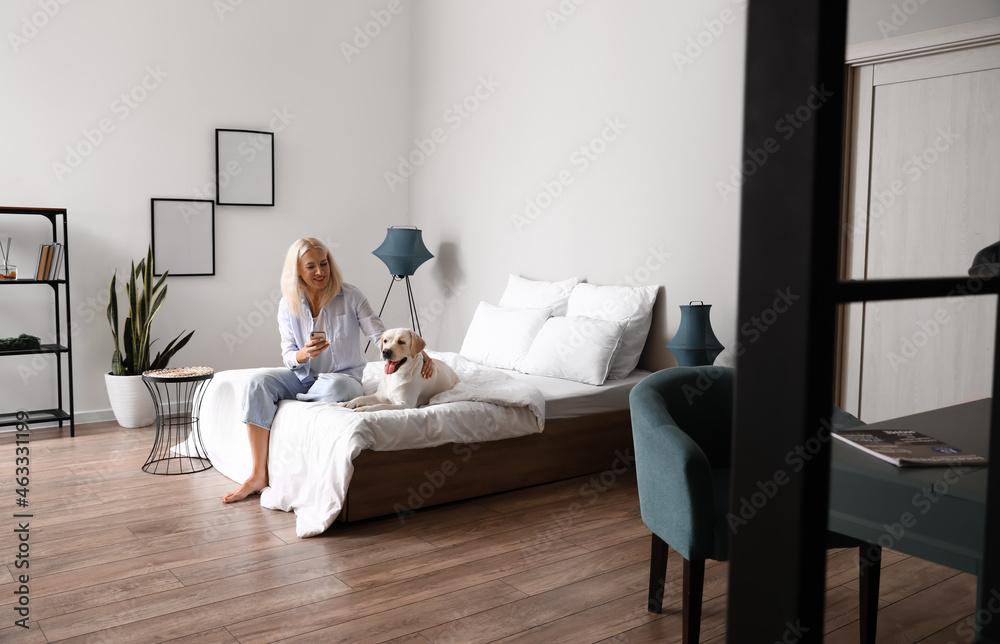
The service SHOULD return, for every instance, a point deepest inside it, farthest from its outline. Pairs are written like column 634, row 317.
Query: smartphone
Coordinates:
column 318, row 334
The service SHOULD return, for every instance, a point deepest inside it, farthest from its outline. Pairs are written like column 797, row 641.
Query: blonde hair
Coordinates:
column 292, row 286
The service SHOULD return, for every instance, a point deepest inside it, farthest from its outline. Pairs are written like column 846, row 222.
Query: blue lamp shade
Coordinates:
column 403, row 250
column 695, row 342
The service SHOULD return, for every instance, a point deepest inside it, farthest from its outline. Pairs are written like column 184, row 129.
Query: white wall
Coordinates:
column 878, row 19
column 560, row 79
column 231, row 69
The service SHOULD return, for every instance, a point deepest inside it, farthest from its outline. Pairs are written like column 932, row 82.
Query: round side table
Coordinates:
column 177, row 395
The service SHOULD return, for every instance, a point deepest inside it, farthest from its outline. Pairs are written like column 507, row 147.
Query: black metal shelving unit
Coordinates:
column 62, row 348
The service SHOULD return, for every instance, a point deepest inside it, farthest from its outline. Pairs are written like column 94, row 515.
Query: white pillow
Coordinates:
column 616, row 303
column 524, row 293
column 501, row 336
column 574, row 348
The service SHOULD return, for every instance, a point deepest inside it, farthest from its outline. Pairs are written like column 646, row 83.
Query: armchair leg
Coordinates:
column 657, row 574
column 870, row 571
column 694, row 584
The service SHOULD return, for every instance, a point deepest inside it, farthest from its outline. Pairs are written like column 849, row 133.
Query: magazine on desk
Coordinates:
column 907, row 448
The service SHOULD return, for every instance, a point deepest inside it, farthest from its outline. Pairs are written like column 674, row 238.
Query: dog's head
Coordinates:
column 398, row 346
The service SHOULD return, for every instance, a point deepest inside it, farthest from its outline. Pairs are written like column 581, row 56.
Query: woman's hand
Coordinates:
column 313, row 348
column 428, row 369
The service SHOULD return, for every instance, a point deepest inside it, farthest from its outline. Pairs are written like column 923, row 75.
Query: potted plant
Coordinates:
column 130, row 400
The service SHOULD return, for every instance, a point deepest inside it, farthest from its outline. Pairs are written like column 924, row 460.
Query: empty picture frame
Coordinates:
column 244, row 168
column 183, row 234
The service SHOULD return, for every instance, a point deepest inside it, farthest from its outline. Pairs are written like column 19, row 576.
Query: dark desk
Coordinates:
column 935, row 513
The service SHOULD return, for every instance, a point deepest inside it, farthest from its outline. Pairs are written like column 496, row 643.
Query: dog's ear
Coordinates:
column 417, row 343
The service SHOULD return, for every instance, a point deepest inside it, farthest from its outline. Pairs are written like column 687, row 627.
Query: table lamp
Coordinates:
column 403, row 251
column 695, row 343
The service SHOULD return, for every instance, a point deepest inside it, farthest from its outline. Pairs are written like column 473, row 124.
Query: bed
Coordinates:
column 539, row 406
column 490, row 434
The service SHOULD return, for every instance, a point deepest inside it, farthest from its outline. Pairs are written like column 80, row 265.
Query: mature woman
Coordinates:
column 319, row 318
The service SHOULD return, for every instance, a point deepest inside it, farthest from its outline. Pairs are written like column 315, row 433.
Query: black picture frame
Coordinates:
column 244, row 167
column 183, row 236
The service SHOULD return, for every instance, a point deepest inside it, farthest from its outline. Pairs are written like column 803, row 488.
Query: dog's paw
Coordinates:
column 362, row 408
column 350, row 404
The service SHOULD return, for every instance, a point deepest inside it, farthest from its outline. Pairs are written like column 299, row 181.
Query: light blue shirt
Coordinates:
column 343, row 319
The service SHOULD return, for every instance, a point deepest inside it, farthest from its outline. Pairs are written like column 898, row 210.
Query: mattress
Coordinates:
column 567, row 399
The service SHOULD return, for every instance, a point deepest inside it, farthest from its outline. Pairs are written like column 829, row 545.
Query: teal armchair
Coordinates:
column 682, row 429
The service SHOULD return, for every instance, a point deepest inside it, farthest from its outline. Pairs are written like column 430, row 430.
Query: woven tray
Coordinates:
column 179, row 372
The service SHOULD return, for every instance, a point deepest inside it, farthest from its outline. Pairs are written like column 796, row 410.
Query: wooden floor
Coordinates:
column 118, row 555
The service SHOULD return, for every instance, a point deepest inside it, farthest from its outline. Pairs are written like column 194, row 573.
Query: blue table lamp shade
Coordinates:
column 695, row 343
column 403, row 250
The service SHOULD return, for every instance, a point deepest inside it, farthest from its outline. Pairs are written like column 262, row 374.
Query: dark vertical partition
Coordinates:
column 792, row 150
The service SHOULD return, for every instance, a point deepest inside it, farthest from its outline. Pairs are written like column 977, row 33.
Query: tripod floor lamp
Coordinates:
column 403, row 251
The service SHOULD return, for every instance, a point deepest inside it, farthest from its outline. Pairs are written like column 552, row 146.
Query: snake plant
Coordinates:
column 144, row 299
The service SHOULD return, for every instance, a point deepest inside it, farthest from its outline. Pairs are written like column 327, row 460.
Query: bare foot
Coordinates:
column 252, row 485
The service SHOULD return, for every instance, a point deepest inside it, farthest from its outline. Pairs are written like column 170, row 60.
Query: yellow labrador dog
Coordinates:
column 403, row 387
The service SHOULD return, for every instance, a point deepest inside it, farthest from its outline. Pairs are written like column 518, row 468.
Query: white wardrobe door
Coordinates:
column 934, row 201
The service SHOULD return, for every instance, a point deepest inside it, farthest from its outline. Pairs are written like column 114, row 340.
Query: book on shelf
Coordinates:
column 38, row 262
column 43, row 260
column 56, row 263
column 49, row 262
column 907, row 448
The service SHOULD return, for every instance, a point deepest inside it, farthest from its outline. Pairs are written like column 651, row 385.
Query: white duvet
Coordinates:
column 313, row 445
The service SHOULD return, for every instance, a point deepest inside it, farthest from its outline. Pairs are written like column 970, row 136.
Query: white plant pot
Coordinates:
column 130, row 400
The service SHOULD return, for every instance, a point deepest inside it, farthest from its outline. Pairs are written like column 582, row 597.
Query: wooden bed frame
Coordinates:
column 401, row 482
